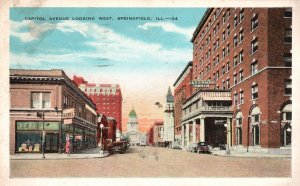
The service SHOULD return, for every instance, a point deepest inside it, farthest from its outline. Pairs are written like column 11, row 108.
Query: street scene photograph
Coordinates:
column 150, row 92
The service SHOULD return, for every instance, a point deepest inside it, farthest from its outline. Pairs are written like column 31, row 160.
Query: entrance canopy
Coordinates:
column 221, row 96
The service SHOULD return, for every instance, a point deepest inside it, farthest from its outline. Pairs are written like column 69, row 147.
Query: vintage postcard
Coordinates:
column 179, row 92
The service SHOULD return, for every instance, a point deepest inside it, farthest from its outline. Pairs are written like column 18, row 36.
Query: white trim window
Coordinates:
column 241, row 97
column 288, row 87
column 254, row 67
column 254, row 90
column 254, row 45
column 288, row 59
column 288, row 35
column 254, row 22
column 239, row 132
column 40, row 100
column 235, row 99
column 288, row 13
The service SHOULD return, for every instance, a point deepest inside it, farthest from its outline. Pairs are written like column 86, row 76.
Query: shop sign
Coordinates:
column 33, row 125
column 68, row 113
column 68, row 121
column 200, row 84
column 218, row 122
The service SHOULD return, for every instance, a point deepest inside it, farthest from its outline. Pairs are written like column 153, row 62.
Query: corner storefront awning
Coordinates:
column 216, row 96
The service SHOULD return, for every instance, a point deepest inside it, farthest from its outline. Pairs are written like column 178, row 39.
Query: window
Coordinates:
column 288, row 13
column 254, row 67
column 224, row 18
column 217, row 74
column 241, row 14
column 235, row 41
column 241, row 56
column 223, row 35
column 223, row 53
column 288, row 87
column 254, row 45
column 235, row 21
column 228, row 83
column 288, row 59
column 223, row 84
column 228, row 66
column 235, row 99
column 228, row 30
column 40, row 100
column 241, row 75
column 241, row 35
column 223, row 70
column 234, row 79
column 235, row 61
column 241, row 97
column 227, row 49
column 254, row 22
column 288, row 35
column 254, row 91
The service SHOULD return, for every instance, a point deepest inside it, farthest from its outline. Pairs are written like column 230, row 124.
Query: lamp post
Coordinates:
column 101, row 142
column 60, row 131
column 227, row 131
column 42, row 115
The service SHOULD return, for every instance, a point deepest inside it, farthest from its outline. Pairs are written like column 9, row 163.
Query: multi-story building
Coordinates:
column 169, row 118
column 45, row 105
column 158, row 134
column 242, row 74
column 182, row 90
column 107, row 97
column 132, row 129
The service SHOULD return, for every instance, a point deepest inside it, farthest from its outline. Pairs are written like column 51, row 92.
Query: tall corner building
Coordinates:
column 241, row 78
column 107, row 98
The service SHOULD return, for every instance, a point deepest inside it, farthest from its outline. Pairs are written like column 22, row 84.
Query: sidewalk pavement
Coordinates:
column 85, row 154
column 236, row 153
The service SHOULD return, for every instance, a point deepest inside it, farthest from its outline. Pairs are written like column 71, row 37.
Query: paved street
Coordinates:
column 154, row 162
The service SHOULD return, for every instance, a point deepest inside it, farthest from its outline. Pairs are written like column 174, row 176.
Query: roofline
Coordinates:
column 201, row 23
column 190, row 63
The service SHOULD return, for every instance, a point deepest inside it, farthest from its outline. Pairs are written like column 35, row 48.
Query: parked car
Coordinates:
column 202, row 147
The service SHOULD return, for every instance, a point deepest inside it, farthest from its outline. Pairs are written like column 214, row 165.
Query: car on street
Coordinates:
column 192, row 147
column 202, row 147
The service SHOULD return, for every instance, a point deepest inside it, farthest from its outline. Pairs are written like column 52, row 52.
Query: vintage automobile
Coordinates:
column 202, row 147
column 119, row 146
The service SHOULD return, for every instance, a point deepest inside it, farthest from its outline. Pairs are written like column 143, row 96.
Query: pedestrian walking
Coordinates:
column 68, row 145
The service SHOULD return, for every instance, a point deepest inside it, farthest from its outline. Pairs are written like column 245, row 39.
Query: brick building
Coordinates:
column 107, row 97
column 242, row 79
column 45, row 105
column 182, row 90
column 158, row 133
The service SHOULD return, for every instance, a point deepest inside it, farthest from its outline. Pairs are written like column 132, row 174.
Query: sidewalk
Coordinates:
column 85, row 154
column 235, row 153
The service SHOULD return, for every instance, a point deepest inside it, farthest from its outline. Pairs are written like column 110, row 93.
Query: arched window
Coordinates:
column 286, row 125
column 239, row 132
column 255, row 125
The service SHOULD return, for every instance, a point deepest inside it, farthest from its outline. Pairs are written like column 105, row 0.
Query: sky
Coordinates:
column 143, row 56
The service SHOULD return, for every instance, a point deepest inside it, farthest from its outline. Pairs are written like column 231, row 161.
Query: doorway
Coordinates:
column 51, row 140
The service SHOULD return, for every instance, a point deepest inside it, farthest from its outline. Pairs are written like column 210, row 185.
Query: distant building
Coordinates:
column 47, row 100
column 158, row 134
column 182, row 90
column 107, row 98
column 133, row 129
column 169, row 118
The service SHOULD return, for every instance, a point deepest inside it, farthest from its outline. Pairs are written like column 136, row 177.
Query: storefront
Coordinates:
column 29, row 136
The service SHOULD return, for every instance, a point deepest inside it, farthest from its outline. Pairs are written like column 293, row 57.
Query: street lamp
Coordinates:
column 227, row 131
column 42, row 115
column 101, row 128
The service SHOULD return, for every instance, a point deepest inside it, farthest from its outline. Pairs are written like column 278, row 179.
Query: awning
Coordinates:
column 217, row 96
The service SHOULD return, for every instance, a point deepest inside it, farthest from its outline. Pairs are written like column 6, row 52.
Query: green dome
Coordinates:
column 132, row 113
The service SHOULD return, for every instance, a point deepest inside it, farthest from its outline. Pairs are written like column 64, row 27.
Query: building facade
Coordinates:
column 133, row 129
column 46, row 106
column 182, row 90
column 242, row 79
column 158, row 134
column 169, row 118
column 107, row 97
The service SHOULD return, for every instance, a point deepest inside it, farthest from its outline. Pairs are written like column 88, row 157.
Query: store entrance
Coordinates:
column 215, row 133
column 51, row 140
